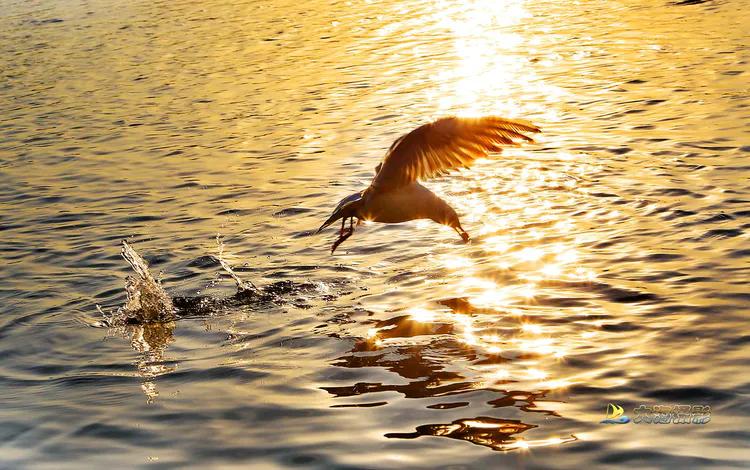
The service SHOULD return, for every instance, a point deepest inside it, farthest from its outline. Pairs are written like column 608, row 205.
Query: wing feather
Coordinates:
column 438, row 147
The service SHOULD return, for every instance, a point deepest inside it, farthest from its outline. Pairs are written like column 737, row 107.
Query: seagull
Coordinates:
column 431, row 150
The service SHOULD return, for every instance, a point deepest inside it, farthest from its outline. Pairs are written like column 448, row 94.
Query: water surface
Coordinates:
column 609, row 263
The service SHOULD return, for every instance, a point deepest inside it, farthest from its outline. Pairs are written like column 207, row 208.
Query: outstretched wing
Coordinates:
column 443, row 145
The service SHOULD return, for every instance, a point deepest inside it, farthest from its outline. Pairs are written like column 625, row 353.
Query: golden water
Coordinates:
column 609, row 262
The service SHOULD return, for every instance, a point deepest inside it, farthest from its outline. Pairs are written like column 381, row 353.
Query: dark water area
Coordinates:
column 609, row 262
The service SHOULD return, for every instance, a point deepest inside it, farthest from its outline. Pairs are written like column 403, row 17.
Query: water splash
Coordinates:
column 148, row 317
column 242, row 285
column 146, row 300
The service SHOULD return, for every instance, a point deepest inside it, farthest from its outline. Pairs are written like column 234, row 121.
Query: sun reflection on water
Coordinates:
column 502, row 281
column 491, row 60
column 501, row 323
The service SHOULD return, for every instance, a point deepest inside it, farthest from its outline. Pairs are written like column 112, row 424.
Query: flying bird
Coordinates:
column 431, row 150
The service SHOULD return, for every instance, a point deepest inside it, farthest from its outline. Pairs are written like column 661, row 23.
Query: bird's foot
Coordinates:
column 343, row 235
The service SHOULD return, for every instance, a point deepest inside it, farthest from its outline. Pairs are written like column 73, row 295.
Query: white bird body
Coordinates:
column 433, row 149
column 410, row 202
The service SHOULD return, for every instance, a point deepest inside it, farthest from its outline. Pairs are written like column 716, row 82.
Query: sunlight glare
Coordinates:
column 530, row 254
column 421, row 315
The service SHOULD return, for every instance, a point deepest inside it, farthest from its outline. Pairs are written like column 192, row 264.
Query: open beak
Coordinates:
column 333, row 218
column 346, row 208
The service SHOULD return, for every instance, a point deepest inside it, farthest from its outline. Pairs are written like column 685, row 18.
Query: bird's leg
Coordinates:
column 341, row 232
column 345, row 233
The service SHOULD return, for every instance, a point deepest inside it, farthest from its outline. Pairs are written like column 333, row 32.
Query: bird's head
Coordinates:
column 346, row 208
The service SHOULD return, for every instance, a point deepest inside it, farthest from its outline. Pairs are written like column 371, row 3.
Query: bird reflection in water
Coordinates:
column 484, row 431
column 419, row 344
